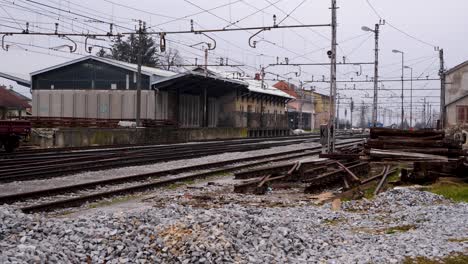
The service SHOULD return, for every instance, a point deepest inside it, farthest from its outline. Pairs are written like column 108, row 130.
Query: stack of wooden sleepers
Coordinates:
column 430, row 152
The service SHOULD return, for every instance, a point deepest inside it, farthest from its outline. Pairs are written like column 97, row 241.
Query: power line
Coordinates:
column 292, row 11
column 399, row 30
column 258, row 10
column 11, row 17
column 197, row 13
column 30, row 10
column 66, row 11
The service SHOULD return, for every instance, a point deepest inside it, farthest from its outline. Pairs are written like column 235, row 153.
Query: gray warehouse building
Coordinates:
column 95, row 87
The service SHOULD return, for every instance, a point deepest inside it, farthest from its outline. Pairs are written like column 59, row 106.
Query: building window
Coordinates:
column 462, row 114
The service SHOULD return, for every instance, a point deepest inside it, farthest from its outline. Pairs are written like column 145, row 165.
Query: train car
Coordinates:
column 12, row 132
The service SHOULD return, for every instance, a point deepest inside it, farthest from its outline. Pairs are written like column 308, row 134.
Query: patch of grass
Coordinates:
column 369, row 193
column 455, row 191
column 399, row 229
column 394, row 177
column 113, row 201
column 180, row 184
column 346, row 199
column 454, row 259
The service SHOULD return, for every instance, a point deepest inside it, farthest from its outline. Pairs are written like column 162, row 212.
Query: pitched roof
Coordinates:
column 16, row 78
column 454, row 69
column 10, row 100
column 287, row 88
column 149, row 71
column 251, row 85
column 20, row 96
column 256, row 86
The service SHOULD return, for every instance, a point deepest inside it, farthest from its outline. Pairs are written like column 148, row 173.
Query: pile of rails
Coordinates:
column 430, row 153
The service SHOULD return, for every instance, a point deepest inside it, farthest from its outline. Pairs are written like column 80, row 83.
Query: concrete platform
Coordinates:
column 82, row 137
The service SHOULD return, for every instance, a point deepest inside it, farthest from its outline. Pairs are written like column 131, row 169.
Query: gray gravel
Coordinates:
column 243, row 234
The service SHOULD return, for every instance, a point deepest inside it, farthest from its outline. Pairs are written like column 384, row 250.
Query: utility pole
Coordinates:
column 262, row 76
column 442, row 89
column 206, row 61
column 332, row 55
column 411, row 96
column 376, row 73
column 301, row 104
column 337, row 112
column 139, row 61
column 424, row 113
column 384, row 116
column 351, row 109
column 402, row 85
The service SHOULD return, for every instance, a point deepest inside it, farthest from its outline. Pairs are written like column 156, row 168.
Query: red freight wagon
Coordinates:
column 12, row 132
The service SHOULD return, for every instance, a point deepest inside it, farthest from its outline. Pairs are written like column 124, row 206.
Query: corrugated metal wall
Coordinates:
column 190, row 114
column 98, row 104
column 213, row 112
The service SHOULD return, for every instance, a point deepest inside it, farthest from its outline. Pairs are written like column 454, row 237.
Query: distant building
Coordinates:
column 300, row 110
column 321, row 109
column 12, row 104
column 456, row 95
column 24, row 99
column 308, row 110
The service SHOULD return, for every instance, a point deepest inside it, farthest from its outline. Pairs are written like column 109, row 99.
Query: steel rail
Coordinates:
column 77, row 201
column 122, row 161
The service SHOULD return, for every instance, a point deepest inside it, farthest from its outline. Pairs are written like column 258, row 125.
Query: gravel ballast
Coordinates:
column 366, row 231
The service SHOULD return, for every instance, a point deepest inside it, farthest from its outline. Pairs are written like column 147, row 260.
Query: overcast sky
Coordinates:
column 432, row 23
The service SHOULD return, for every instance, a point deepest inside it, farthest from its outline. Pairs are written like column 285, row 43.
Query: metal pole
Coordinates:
column 402, row 88
column 411, row 100
column 442, row 89
column 424, row 113
column 376, row 76
column 139, row 61
column 206, row 62
column 337, row 126
column 331, row 121
column 352, row 109
column 263, row 77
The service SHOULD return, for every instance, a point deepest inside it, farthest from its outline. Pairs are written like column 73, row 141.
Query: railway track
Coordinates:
column 60, row 197
column 97, row 149
column 30, row 168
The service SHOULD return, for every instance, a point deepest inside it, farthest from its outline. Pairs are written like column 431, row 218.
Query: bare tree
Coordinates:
column 171, row 58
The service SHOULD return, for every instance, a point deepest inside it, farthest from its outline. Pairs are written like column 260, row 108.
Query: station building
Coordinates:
column 456, row 96
column 208, row 99
column 105, row 89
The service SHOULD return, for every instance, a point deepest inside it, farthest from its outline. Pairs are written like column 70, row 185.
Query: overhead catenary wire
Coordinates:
column 11, row 17
column 250, row 15
column 398, row 29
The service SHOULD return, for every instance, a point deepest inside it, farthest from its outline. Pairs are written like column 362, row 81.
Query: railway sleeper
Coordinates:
column 336, row 176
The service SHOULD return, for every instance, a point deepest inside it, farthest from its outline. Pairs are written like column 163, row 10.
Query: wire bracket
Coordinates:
column 5, row 47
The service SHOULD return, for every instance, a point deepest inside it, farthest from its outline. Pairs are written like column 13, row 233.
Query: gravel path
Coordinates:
column 363, row 232
column 34, row 185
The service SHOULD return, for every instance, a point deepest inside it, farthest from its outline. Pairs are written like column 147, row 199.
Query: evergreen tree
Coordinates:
column 127, row 50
